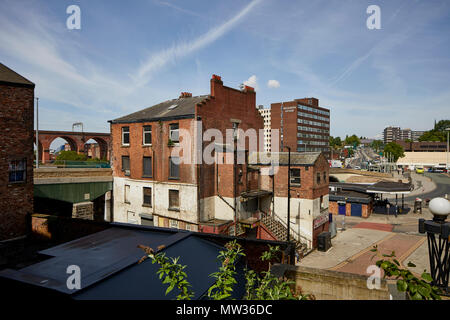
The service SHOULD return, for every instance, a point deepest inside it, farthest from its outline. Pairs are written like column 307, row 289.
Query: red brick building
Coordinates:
column 152, row 185
column 187, row 163
column 303, row 125
column 16, row 153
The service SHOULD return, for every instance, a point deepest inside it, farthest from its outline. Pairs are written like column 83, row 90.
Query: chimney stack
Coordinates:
column 186, row 95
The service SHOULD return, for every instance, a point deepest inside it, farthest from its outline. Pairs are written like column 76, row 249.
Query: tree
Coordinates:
column 395, row 150
column 335, row 143
column 438, row 133
column 72, row 156
column 353, row 141
column 377, row 145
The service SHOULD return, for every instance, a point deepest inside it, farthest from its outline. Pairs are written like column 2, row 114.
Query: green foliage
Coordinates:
column 417, row 289
column 71, row 155
column 171, row 273
column 438, row 133
column 434, row 135
column 225, row 277
column 258, row 287
column 377, row 145
column 335, row 142
column 395, row 150
column 353, row 140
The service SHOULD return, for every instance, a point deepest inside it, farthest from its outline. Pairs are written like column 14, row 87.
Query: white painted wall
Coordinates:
column 160, row 200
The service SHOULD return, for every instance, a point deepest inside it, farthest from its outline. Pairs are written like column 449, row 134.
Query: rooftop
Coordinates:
column 297, row 158
column 183, row 107
column 9, row 76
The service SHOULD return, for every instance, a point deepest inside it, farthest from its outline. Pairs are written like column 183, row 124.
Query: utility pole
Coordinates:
column 37, row 132
column 448, row 130
column 289, row 194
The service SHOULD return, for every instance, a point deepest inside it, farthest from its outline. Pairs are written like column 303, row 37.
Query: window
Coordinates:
column 174, row 224
column 147, row 136
column 126, row 165
column 174, row 200
column 126, row 194
column 173, row 132
column 318, row 177
column 147, row 167
column 295, row 177
column 17, row 170
column 324, row 177
column 235, row 130
column 125, row 136
column 147, row 219
column 147, row 197
column 174, row 168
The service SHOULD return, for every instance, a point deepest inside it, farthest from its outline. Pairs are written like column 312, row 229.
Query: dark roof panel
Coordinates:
column 176, row 108
column 9, row 76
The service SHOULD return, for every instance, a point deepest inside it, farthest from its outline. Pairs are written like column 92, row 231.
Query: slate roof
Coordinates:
column 9, row 76
column 297, row 158
column 108, row 263
column 185, row 108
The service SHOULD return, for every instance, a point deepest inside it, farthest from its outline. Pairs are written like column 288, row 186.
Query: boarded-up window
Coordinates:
column 125, row 163
column 147, row 167
column 174, row 167
column 147, row 193
column 127, row 194
column 174, row 199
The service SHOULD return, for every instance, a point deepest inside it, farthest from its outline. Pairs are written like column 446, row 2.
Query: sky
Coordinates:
column 129, row 55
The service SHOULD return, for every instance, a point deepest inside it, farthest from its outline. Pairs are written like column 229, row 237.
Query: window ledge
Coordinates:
column 147, row 145
column 174, row 209
column 146, row 205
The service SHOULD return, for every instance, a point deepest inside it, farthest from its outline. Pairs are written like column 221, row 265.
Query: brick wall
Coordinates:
column 16, row 143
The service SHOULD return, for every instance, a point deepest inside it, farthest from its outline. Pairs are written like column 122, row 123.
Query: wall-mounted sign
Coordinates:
column 320, row 220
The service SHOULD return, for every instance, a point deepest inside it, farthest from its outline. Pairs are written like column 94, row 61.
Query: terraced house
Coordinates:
column 160, row 177
column 189, row 163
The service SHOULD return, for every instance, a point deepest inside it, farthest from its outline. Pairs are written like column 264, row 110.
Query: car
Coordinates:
column 419, row 170
column 357, row 168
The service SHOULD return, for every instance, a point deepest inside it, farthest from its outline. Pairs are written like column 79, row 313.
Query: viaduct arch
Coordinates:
column 76, row 140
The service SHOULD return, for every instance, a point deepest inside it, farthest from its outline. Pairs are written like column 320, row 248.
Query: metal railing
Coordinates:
column 74, row 164
column 294, row 234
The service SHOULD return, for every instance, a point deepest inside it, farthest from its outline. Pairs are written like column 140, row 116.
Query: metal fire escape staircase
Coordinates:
column 278, row 229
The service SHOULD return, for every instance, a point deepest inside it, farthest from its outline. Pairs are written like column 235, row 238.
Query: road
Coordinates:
column 442, row 186
column 361, row 157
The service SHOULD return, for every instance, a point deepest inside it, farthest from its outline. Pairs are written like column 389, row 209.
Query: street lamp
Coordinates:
column 289, row 194
column 438, row 248
column 448, row 130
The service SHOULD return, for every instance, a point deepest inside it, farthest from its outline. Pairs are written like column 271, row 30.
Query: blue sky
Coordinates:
column 131, row 55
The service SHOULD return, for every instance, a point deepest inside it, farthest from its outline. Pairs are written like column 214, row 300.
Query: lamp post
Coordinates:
column 438, row 232
column 37, row 132
column 448, row 142
column 289, row 194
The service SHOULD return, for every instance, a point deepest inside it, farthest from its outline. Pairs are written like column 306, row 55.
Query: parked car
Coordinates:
column 419, row 170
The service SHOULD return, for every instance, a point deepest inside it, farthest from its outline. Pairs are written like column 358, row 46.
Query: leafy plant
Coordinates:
column 172, row 272
column 225, row 277
column 416, row 289
column 258, row 287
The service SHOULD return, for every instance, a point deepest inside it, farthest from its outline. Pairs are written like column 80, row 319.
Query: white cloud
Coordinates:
column 273, row 84
column 170, row 55
column 252, row 82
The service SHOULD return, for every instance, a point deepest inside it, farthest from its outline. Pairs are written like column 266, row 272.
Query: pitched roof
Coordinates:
column 297, row 158
column 9, row 76
column 170, row 109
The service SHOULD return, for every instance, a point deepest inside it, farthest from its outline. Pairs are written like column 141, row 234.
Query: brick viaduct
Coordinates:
column 76, row 141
